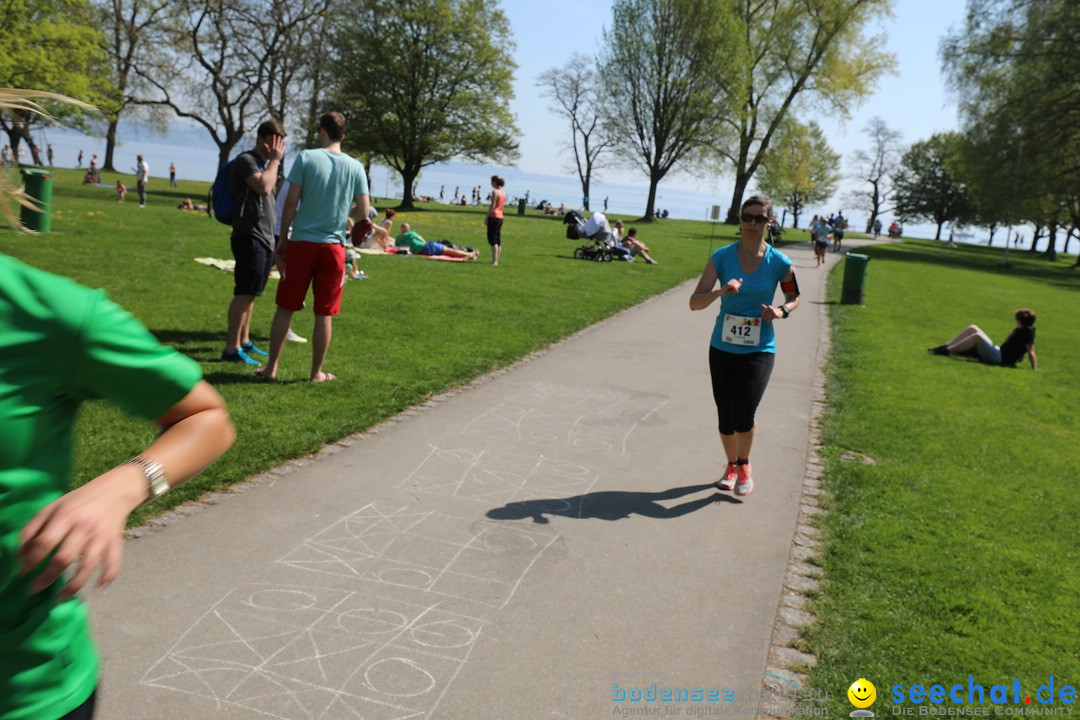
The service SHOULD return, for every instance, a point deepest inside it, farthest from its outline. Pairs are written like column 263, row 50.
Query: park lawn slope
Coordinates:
column 952, row 542
column 414, row 329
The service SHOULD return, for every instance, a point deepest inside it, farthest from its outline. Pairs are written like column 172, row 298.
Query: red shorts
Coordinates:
column 321, row 265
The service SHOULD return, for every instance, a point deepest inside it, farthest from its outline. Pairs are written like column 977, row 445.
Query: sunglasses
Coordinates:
column 759, row 219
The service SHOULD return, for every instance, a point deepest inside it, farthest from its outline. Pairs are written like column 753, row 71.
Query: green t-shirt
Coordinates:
column 410, row 240
column 60, row 344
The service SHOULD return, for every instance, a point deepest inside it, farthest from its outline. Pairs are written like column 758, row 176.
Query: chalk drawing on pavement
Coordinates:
column 427, row 551
column 592, row 419
column 494, row 478
column 303, row 652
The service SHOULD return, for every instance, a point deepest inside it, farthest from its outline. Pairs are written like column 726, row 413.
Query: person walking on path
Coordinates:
column 495, row 217
column 252, row 178
column 64, row 344
column 311, row 242
column 743, row 345
column 142, row 176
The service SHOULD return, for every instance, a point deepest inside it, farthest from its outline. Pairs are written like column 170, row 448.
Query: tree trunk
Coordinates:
column 19, row 133
column 1035, row 239
column 408, row 175
column 742, row 179
column 938, row 236
column 1051, row 246
column 110, row 145
column 649, row 215
column 993, row 229
column 585, row 184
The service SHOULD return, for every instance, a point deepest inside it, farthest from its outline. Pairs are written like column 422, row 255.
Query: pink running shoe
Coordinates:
column 744, row 485
column 727, row 483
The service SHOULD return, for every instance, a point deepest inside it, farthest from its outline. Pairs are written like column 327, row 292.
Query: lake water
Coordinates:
column 196, row 159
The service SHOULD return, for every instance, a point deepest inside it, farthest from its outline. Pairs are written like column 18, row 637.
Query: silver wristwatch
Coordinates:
column 156, row 482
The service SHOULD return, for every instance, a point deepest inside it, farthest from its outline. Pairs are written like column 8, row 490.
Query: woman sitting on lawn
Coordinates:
column 973, row 341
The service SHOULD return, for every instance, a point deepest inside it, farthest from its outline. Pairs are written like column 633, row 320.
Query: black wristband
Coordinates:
column 784, row 310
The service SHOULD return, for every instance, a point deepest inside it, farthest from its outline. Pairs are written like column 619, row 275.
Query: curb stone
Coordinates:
column 778, row 698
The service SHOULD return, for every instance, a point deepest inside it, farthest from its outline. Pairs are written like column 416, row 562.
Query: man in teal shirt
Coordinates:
column 328, row 182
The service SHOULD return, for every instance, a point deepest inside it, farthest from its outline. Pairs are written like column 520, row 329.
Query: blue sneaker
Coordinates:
column 238, row 357
column 250, row 349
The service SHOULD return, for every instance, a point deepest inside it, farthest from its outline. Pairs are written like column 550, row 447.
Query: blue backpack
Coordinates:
column 222, row 202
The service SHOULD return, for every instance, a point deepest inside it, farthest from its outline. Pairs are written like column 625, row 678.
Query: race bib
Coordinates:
column 739, row 330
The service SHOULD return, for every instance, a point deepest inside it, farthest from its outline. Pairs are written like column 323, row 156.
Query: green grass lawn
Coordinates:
column 957, row 551
column 412, row 330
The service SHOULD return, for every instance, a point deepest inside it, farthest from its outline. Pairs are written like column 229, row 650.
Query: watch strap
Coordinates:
column 156, row 482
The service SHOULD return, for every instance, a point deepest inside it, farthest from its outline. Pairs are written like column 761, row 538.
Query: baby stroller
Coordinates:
column 592, row 249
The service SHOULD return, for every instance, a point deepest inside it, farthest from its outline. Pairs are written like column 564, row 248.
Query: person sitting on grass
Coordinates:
column 365, row 233
column 972, row 341
column 636, row 247
column 417, row 245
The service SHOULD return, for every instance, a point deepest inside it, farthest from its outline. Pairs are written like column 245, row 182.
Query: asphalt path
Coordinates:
column 545, row 543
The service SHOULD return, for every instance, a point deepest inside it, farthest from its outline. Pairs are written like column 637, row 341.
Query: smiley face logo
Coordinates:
column 862, row 693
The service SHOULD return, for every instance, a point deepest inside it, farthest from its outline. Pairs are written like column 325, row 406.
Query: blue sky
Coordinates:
column 914, row 101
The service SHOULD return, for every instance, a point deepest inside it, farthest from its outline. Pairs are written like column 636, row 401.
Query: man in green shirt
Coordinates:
column 61, row 344
column 414, row 243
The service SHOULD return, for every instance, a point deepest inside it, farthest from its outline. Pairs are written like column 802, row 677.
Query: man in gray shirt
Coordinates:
column 252, row 178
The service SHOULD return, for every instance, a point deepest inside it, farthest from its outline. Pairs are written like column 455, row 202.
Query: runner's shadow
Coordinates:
column 610, row 505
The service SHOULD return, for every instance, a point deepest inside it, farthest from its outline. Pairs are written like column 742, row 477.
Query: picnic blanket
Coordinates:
column 230, row 265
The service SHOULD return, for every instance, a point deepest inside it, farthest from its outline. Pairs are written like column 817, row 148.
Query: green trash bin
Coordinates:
column 521, row 206
column 854, row 287
column 38, row 186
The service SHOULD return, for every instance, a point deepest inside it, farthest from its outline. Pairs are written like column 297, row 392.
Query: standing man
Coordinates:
column 252, row 178
column 328, row 182
column 142, row 175
column 49, row 152
column 172, row 175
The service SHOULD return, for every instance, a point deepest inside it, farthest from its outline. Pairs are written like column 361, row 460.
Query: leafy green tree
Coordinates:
column 572, row 90
column 52, row 45
column 663, row 70
column 1014, row 64
column 426, row 81
column 812, row 56
column 799, row 168
column 928, row 185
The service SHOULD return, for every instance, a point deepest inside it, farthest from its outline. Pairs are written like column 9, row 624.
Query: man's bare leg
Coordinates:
column 279, row 328
column 240, row 310
column 320, row 344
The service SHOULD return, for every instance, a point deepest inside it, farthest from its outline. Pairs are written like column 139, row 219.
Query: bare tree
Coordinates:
column 294, row 33
column 572, row 89
column 232, row 63
column 876, row 166
column 132, row 34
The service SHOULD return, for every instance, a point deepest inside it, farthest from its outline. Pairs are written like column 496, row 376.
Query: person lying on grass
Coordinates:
column 973, row 341
column 417, row 245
